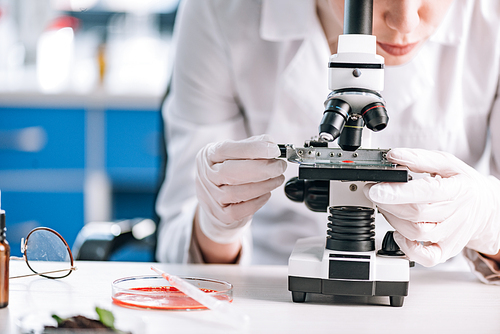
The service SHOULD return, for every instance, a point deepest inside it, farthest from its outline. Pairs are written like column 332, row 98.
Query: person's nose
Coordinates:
column 403, row 15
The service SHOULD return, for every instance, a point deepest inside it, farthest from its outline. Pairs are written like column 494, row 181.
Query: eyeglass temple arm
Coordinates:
column 46, row 272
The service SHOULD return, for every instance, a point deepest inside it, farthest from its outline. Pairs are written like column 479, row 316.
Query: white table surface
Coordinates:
column 438, row 302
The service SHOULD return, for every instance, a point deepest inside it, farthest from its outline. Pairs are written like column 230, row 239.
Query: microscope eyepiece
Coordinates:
column 375, row 116
column 336, row 114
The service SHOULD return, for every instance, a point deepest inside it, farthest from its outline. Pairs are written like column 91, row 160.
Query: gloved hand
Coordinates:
column 234, row 179
column 437, row 216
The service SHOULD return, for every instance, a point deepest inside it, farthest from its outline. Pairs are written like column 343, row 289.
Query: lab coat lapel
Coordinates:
column 305, row 80
column 404, row 84
column 303, row 84
column 283, row 20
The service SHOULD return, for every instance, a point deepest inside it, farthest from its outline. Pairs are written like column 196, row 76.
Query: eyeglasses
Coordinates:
column 46, row 253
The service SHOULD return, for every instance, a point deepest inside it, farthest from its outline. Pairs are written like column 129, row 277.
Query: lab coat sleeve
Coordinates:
column 494, row 129
column 487, row 270
column 201, row 108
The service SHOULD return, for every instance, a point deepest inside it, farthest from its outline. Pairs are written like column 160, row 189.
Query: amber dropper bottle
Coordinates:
column 4, row 262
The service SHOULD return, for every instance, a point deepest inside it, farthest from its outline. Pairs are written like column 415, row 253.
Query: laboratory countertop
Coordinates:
column 439, row 301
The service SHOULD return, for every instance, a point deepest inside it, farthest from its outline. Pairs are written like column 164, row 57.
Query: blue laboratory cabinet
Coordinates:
column 51, row 145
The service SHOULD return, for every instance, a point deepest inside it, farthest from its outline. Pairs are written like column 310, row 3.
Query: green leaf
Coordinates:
column 58, row 319
column 106, row 317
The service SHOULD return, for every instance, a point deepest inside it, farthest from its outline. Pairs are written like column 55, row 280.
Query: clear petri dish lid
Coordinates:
column 155, row 292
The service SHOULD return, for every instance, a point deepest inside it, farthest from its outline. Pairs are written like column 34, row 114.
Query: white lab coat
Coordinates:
column 245, row 67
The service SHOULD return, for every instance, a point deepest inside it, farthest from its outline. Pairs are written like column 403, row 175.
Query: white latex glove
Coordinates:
column 437, row 216
column 234, row 179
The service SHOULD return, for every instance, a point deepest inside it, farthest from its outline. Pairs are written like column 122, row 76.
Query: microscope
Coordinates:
column 331, row 179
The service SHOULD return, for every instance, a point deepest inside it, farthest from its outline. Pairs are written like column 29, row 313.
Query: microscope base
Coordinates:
column 300, row 286
column 314, row 269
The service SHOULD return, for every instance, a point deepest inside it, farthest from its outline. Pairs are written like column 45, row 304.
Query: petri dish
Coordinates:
column 155, row 292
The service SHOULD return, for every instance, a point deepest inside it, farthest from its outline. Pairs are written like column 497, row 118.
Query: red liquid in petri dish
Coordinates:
column 161, row 298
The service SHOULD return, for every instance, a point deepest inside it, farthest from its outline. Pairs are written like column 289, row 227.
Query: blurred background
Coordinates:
column 81, row 84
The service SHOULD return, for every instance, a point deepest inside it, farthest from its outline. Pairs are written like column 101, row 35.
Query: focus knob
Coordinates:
column 314, row 193
column 294, row 189
column 389, row 246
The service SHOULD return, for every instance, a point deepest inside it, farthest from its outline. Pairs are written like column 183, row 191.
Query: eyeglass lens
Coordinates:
column 46, row 252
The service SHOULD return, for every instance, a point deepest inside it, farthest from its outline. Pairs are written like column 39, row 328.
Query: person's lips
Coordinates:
column 397, row 49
